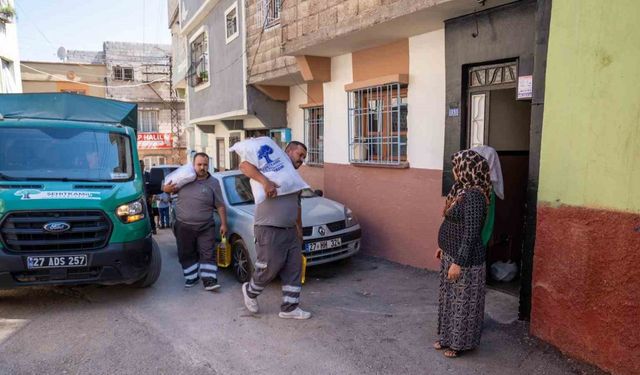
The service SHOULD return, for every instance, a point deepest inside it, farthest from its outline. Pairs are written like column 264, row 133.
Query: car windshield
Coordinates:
column 238, row 190
column 64, row 154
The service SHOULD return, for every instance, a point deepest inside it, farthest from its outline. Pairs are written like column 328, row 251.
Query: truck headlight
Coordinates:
column 132, row 211
column 350, row 218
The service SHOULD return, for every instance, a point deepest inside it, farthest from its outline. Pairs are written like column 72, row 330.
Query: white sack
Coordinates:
column 181, row 176
column 274, row 164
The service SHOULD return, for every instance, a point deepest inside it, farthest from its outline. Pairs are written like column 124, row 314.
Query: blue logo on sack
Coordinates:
column 272, row 165
column 264, row 153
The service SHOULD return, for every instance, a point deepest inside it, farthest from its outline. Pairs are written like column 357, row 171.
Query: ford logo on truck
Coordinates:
column 56, row 227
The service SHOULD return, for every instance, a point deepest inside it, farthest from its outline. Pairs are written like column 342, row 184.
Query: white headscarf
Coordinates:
column 495, row 170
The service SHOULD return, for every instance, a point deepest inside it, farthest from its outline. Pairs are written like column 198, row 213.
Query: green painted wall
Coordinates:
column 591, row 132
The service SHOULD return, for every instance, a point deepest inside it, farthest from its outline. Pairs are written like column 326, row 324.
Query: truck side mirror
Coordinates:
column 154, row 185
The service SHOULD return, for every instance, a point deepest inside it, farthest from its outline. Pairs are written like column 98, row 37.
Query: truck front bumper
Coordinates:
column 116, row 263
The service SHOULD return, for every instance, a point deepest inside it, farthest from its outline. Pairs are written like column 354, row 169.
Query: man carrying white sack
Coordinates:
column 195, row 228
column 278, row 234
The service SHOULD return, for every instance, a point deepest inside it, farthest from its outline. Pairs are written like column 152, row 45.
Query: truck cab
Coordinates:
column 72, row 208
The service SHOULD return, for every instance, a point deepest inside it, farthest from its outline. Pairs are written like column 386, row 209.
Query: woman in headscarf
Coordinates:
column 462, row 255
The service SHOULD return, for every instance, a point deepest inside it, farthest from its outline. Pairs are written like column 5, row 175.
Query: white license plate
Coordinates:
column 57, row 261
column 322, row 245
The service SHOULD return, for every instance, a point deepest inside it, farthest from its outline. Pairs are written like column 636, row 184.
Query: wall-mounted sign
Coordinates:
column 154, row 140
column 525, row 87
column 454, row 110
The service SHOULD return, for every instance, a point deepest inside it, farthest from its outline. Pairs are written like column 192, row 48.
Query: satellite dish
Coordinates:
column 62, row 54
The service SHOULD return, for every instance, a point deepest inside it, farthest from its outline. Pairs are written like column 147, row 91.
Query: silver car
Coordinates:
column 331, row 231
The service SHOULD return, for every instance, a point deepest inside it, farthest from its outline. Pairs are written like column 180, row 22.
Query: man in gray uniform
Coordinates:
column 195, row 227
column 278, row 234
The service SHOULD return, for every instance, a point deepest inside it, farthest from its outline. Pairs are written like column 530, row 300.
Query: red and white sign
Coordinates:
column 154, row 140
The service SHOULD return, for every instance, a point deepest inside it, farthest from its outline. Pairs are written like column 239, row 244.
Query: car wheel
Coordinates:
column 154, row 268
column 242, row 267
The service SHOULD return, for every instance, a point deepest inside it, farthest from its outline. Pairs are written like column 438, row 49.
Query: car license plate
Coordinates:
column 57, row 261
column 323, row 245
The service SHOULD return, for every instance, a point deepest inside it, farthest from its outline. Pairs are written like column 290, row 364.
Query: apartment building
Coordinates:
column 222, row 109
column 82, row 79
column 141, row 73
column 9, row 56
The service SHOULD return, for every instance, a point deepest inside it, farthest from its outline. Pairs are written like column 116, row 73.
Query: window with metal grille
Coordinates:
column 268, row 13
column 378, row 125
column 148, row 120
column 231, row 21
column 122, row 73
column 314, row 135
column 199, row 70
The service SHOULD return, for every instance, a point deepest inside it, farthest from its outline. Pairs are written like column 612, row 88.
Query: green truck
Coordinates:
column 72, row 194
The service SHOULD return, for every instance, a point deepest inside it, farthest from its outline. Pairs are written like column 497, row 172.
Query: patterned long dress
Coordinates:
column 461, row 310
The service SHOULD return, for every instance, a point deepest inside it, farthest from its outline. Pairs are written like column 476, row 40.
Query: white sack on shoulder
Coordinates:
column 274, row 164
column 181, row 176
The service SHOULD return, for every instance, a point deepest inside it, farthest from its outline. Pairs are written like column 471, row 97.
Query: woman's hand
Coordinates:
column 454, row 272
column 439, row 253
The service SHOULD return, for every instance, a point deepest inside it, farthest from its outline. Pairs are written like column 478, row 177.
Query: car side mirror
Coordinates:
column 319, row 192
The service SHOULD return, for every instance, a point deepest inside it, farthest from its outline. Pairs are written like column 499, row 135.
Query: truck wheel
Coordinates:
column 242, row 267
column 154, row 268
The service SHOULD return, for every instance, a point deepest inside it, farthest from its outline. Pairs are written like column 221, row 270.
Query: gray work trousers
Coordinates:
column 279, row 252
column 196, row 250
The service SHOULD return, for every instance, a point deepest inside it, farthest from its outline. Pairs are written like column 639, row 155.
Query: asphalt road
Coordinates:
column 370, row 317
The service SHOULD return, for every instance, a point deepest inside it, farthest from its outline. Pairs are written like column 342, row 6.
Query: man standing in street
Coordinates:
column 278, row 234
column 164, row 201
column 146, row 178
column 195, row 227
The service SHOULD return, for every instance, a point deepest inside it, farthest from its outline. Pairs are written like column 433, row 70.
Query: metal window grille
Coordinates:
column 198, row 72
column 378, row 125
column 148, row 120
column 314, row 135
column 268, row 13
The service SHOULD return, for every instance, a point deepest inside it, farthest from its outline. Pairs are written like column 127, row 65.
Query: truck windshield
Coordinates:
column 64, row 154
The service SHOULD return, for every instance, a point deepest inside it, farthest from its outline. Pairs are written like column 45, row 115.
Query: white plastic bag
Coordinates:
column 504, row 271
column 274, row 164
column 181, row 176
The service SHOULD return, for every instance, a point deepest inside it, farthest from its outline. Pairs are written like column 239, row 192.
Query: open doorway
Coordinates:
column 496, row 118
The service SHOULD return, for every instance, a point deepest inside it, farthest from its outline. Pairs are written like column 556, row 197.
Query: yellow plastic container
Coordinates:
column 304, row 268
column 223, row 253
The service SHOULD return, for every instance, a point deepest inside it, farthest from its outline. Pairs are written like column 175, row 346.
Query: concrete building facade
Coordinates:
column 222, row 107
column 586, row 281
column 141, row 73
column 83, row 79
column 9, row 54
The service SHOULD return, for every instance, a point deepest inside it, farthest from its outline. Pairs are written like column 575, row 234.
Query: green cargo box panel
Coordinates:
column 68, row 107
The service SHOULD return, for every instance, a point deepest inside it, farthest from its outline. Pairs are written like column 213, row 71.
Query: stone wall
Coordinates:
column 265, row 57
column 310, row 22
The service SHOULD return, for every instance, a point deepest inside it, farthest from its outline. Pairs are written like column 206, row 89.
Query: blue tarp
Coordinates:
column 69, row 107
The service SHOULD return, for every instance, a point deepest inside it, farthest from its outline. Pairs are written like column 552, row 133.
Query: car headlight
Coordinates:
column 132, row 211
column 350, row 218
